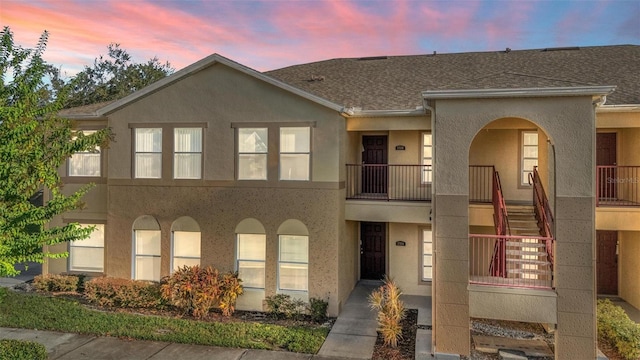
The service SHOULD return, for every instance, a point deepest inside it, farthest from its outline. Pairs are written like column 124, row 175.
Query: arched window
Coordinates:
column 251, row 246
column 146, row 249
column 293, row 256
column 185, row 243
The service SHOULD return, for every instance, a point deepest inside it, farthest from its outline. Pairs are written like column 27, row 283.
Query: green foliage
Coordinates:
column 283, row 306
column 25, row 310
column 56, row 283
column 386, row 301
column 616, row 329
column 114, row 77
column 230, row 289
column 318, row 309
column 34, row 144
column 192, row 289
column 22, row 350
column 124, row 293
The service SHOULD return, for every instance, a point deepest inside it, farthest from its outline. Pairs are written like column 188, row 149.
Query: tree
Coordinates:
column 114, row 77
column 34, row 143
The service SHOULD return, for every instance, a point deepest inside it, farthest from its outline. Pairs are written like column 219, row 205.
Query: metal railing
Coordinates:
column 501, row 223
column 389, row 182
column 526, row 262
column 618, row 185
column 481, row 183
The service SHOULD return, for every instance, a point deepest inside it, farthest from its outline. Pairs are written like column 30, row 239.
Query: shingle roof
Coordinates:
column 396, row 82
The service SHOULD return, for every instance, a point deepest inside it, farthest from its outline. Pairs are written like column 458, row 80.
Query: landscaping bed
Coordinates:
column 406, row 349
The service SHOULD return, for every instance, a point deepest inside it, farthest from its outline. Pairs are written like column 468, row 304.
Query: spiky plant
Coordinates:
column 386, row 301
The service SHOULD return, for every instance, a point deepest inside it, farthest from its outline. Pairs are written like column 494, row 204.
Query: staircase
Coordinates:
column 527, row 258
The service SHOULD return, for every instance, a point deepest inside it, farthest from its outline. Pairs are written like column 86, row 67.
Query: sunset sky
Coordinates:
column 270, row 34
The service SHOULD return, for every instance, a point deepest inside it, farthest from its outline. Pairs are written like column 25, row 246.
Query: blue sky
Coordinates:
column 271, row 34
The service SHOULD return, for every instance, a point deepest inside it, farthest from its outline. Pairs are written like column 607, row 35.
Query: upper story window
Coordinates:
column 252, row 153
column 85, row 163
column 187, row 153
column 148, row 153
column 88, row 254
column 295, row 149
column 427, row 158
column 529, row 155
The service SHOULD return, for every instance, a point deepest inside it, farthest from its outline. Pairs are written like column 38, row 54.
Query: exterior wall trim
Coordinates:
column 521, row 92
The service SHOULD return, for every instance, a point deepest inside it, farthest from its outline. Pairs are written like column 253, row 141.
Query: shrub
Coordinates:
column 615, row 328
column 318, row 309
column 283, row 306
column 56, row 283
column 230, row 289
column 386, row 301
column 123, row 293
column 192, row 289
column 22, row 350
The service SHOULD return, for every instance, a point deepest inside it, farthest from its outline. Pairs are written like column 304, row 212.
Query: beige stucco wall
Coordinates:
column 405, row 261
column 617, row 119
column 570, row 124
column 629, row 267
column 513, row 304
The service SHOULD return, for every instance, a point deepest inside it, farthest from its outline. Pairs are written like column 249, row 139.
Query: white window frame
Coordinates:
column 136, row 153
column 263, row 154
column 81, row 155
column 176, row 153
column 426, row 161
column 173, row 249
column 255, row 261
column 87, row 244
column 283, row 262
column 136, row 255
column 284, row 152
column 426, row 241
column 524, row 173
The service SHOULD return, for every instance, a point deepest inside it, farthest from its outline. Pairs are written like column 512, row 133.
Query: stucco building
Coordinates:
column 503, row 184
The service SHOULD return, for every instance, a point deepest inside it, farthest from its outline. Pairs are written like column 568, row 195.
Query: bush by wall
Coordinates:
column 386, row 301
column 317, row 309
column 283, row 306
column 56, row 283
column 22, row 350
column 123, row 293
column 230, row 289
column 615, row 328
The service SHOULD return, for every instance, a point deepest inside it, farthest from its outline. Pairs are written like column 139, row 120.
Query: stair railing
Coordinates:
column 498, row 265
column 543, row 211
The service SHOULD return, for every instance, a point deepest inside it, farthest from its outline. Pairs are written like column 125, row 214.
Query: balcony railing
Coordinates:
column 481, row 183
column 618, row 185
column 389, row 182
column 526, row 261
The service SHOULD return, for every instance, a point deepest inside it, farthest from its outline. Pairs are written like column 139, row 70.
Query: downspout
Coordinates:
column 432, row 217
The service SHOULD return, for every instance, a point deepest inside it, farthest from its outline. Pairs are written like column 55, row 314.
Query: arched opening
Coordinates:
column 511, row 168
column 185, row 243
column 146, row 249
column 251, row 251
column 293, row 256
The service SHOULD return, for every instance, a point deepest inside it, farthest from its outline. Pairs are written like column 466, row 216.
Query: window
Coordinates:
column 427, row 158
column 88, row 254
column 147, row 255
column 252, row 153
column 295, row 147
column 85, row 163
column 250, row 257
column 148, row 153
column 187, row 153
column 529, row 155
column 427, row 255
column 293, row 262
column 185, row 249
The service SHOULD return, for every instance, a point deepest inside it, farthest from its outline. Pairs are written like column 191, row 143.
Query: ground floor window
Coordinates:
column 146, row 246
column 88, row 254
column 293, row 262
column 427, row 255
column 185, row 249
column 250, row 259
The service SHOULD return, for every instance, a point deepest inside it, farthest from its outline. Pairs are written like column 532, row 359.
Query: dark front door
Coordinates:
column 372, row 250
column 607, row 262
column 374, row 165
column 606, row 155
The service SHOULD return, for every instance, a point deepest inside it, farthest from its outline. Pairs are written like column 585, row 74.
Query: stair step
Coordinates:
column 529, row 271
column 526, row 253
column 527, row 261
column 525, row 244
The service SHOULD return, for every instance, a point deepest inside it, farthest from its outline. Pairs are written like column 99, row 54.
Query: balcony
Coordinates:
column 618, row 186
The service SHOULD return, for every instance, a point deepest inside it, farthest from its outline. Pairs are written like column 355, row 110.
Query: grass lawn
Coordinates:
column 33, row 311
